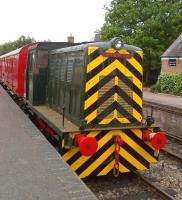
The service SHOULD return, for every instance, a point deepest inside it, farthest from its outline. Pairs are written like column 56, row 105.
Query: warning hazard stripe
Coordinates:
column 134, row 154
column 132, row 69
column 95, row 59
column 93, row 54
column 109, row 93
column 99, row 68
column 138, row 57
column 108, row 69
column 106, row 79
column 110, row 109
column 112, row 68
column 95, row 68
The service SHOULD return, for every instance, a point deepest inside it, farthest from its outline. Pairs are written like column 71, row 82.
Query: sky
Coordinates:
column 51, row 19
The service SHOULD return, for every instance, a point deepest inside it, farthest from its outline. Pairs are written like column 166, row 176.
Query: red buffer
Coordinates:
column 158, row 139
column 87, row 145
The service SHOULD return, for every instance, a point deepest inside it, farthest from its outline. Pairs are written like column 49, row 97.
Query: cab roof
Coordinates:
column 103, row 45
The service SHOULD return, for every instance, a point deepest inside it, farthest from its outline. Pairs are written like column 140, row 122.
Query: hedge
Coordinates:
column 170, row 83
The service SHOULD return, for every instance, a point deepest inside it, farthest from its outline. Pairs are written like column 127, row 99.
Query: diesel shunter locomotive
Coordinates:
column 88, row 98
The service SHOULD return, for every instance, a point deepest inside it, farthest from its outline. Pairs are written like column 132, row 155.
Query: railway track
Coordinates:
column 135, row 186
column 174, row 138
column 161, row 181
column 166, row 175
column 170, row 152
column 167, row 152
column 162, row 193
column 173, row 147
column 126, row 187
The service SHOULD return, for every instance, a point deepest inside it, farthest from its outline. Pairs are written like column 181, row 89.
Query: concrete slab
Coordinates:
column 163, row 99
column 30, row 168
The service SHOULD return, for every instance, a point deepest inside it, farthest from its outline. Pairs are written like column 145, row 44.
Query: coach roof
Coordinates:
column 16, row 51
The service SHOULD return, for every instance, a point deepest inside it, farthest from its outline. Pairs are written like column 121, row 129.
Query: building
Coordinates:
column 171, row 59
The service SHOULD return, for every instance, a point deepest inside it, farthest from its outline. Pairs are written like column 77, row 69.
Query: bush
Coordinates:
column 170, row 83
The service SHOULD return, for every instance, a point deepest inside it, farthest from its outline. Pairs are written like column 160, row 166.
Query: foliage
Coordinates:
column 10, row 46
column 150, row 24
column 169, row 83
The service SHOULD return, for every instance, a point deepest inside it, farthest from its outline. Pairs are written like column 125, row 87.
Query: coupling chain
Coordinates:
column 117, row 141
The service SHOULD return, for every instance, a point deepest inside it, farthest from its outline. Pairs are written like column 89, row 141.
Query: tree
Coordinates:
column 150, row 24
column 10, row 46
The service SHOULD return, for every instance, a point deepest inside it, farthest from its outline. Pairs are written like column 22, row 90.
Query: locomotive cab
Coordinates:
column 36, row 71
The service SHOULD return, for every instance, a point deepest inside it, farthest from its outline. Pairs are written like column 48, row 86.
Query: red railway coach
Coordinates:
column 12, row 68
column 13, row 64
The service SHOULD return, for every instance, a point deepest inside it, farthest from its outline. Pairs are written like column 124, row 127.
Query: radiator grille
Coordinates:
column 109, row 101
column 121, row 101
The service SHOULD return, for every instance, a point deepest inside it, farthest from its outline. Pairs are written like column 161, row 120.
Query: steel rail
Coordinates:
column 161, row 192
column 173, row 137
column 165, row 151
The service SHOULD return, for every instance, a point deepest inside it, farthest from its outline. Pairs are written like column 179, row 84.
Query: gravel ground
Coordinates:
column 125, row 187
column 167, row 174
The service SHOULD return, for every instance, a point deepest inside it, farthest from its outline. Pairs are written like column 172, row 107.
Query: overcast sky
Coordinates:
column 51, row 19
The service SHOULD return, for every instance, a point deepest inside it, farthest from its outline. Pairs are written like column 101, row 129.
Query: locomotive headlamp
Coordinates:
column 117, row 43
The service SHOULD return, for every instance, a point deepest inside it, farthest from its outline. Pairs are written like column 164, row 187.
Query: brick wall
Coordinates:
column 166, row 118
column 166, row 68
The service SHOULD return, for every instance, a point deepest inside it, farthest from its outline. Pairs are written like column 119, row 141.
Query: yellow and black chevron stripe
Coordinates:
column 113, row 91
column 135, row 154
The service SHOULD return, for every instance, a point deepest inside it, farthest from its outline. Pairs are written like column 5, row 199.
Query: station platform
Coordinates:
column 30, row 168
column 167, row 100
column 166, row 110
